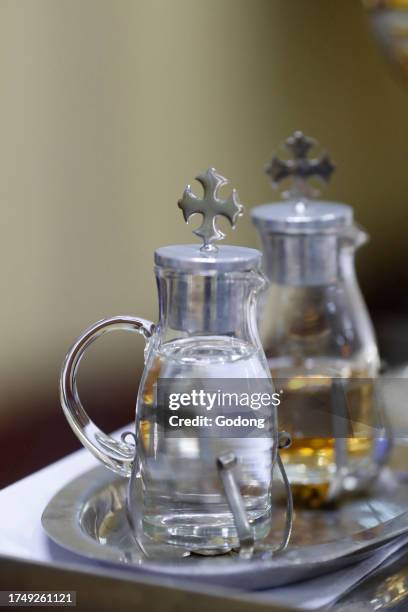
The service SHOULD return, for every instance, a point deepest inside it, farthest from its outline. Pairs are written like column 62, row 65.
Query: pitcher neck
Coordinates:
column 307, row 259
column 213, row 304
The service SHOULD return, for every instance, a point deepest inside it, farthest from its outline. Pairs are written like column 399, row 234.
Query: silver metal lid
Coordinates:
column 208, row 258
column 189, row 258
column 300, row 237
column 302, row 213
column 311, row 216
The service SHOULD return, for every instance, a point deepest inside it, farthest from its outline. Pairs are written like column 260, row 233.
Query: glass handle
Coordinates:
column 285, row 441
column 116, row 455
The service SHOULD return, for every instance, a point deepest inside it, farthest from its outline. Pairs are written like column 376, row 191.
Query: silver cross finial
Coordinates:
column 210, row 206
column 300, row 168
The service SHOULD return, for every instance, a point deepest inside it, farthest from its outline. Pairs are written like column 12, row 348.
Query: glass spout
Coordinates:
column 355, row 236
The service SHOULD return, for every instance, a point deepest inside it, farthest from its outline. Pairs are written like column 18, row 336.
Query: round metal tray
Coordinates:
column 88, row 517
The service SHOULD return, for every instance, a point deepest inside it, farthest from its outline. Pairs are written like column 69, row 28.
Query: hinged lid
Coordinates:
column 302, row 213
column 209, row 258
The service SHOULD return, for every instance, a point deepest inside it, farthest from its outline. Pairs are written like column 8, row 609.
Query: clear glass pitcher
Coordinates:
column 318, row 337
column 207, row 331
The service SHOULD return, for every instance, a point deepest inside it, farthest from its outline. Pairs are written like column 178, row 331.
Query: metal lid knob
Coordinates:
column 302, row 214
column 301, row 168
column 210, row 206
column 209, row 258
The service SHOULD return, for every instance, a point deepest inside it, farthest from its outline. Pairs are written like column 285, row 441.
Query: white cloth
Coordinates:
column 22, row 536
column 318, row 592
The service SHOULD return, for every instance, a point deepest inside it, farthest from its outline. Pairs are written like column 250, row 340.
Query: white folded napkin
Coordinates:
column 323, row 590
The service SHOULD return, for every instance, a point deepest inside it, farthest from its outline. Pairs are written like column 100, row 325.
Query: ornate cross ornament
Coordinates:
column 210, row 206
column 301, row 168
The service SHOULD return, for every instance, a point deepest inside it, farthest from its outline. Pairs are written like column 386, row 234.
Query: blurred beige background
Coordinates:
column 107, row 109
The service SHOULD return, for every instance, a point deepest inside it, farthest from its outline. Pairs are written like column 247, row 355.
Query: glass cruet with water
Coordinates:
column 317, row 334
column 205, row 484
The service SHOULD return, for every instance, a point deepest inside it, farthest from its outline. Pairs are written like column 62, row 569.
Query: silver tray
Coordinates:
column 88, row 517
